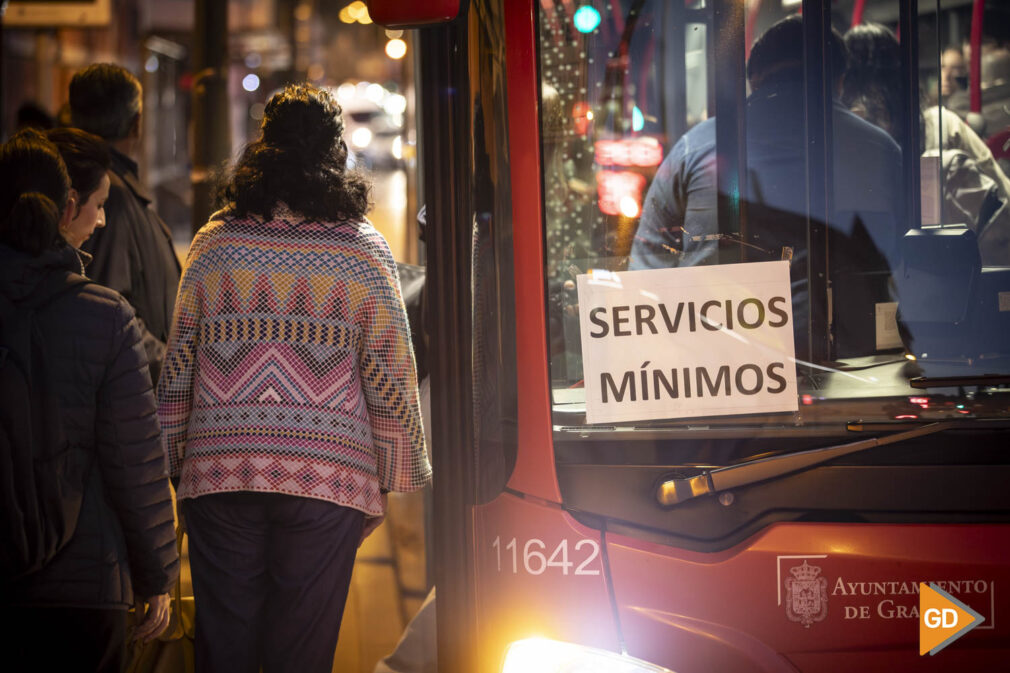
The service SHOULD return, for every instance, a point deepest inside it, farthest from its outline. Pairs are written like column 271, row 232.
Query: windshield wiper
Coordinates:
column 675, row 491
column 921, row 382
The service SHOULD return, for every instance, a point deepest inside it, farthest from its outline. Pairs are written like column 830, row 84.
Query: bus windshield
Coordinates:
column 759, row 222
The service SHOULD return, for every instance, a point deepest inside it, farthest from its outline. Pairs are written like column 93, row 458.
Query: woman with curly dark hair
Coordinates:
column 288, row 397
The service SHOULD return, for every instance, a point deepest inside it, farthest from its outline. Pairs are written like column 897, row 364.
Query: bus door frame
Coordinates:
column 445, row 151
column 820, row 173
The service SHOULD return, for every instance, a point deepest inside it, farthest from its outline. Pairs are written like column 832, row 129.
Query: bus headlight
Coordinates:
column 540, row 655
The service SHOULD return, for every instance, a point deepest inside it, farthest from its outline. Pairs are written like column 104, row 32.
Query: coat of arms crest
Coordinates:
column 806, row 595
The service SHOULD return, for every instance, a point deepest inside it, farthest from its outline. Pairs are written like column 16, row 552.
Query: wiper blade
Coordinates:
column 922, row 382
column 675, row 491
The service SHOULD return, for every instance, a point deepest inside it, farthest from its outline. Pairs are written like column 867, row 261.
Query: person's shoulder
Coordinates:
column 224, row 225
column 691, row 152
column 217, row 225
column 363, row 229
column 936, row 115
column 861, row 136
column 116, row 182
column 360, row 233
column 119, row 210
column 211, row 237
column 699, row 138
column 703, row 129
column 98, row 306
column 119, row 191
column 361, row 240
column 101, row 295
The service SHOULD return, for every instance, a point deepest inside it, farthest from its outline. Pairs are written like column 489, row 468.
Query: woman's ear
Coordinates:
column 72, row 210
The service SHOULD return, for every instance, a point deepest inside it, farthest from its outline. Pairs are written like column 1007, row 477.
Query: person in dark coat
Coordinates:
column 72, row 614
column 133, row 254
column 680, row 228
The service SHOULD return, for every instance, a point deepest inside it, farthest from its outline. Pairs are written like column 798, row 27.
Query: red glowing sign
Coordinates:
column 620, row 192
column 582, row 114
column 629, row 152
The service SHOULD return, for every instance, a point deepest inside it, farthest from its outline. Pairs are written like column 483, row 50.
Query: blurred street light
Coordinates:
column 375, row 93
column 396, row 49
column 395, row 104
column 345, row 92
column 251, row 82
column 355, row 12
column 361, row 137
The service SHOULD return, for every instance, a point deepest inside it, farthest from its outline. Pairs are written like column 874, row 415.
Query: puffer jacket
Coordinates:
column 125, row 540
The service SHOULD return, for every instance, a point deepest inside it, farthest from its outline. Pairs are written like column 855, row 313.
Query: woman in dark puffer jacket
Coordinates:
column 71, row 614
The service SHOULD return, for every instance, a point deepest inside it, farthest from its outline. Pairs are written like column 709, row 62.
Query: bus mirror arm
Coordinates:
column 675, row 491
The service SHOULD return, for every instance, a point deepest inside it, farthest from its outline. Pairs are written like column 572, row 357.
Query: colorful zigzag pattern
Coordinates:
column 289, row 367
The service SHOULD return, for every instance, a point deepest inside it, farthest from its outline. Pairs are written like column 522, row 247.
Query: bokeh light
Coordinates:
column 629, row 207
column 396, row 49
column 361, row 137
column 375, row 93
column 345, row 92
column 586, row 19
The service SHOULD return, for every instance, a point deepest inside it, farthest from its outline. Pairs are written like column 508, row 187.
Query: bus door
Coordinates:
column 712, row 391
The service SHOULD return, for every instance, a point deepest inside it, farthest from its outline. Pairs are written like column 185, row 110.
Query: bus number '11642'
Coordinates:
column 535, row 560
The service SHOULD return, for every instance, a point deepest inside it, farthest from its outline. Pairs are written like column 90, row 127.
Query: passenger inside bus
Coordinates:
column 994, row 117
column 975, row 191
column 953, row 71
column 679, row 224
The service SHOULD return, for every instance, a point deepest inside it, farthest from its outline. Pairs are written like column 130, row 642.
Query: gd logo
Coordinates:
column 934, row 620
column 943, row 619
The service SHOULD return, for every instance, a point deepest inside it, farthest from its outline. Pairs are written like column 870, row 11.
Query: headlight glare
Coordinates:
column 540, row 655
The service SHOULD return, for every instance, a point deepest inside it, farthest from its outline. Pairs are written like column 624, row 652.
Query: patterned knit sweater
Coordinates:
column 289, row 366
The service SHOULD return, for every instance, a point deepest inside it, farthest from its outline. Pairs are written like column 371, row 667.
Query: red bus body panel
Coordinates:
column 534, row 470
column 412, row 14
column 519, row 596
column 729, row 611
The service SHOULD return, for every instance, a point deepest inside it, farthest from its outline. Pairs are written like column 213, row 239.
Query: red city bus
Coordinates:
column 720, row 370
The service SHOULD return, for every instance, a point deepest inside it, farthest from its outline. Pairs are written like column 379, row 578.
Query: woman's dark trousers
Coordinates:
column 270, row 579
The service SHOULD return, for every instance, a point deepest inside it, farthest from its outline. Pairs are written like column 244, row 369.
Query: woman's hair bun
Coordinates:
column 303, row 119
column 300, row 160
column 33, row 192
column 33, row 223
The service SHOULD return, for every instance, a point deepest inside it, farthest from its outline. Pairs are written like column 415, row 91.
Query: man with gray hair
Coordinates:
column 133, row 253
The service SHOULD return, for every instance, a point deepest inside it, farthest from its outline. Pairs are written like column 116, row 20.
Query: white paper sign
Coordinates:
column 886, row 320
column 679, row 343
